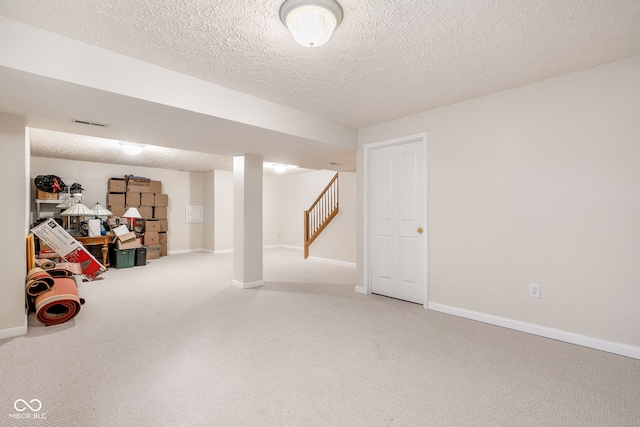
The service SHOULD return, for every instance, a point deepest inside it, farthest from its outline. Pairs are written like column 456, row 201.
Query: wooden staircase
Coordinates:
column 321, row 212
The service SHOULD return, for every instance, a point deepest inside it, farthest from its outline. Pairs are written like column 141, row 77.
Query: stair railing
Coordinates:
column 321, row 212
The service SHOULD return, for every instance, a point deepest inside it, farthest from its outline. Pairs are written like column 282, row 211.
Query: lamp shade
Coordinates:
column 132, row 213
column 99, row 210
column 66, row 204
column 311, row 22
column 79, row 209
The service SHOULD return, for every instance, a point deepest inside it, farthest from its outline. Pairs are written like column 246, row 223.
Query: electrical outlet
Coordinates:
column 534, row 290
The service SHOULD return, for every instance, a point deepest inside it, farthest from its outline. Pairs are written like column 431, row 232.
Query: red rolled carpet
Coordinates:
column 60, row 304
column 38, row 282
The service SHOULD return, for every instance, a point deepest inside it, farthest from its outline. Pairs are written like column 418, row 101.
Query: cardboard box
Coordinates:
column 163, row 238
column 146, row 212
column 116, row 185
column 151, row 238
column 163, row 250
column 137, row 187
column 115, row 199
column 155, row 186
column 161, row 200
column 43, row 195
column 164, row 225
column 117, row 210
column 147, row 199
column 153, row 252
column 133, row 199
column 160, row 212
column 57, row 238
column 123, row 234
column 151, row 225
column 131, row 244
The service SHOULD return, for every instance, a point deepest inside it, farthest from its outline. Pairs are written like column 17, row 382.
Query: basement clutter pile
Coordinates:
column 52, row 287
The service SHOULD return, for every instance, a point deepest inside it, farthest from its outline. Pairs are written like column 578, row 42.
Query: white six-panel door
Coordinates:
column 397, row 221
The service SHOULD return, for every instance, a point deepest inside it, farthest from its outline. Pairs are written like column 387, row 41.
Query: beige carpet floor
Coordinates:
column 172, row 343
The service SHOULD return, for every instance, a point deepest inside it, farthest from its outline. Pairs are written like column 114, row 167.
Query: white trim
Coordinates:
column 543, row 331
column 271, row 247
column 334, row 261
column 367, row 153
column 184, row 251
column 295, row 248
column 14, row 332
column 223, row 251
column 247, row 285
column 190, row 251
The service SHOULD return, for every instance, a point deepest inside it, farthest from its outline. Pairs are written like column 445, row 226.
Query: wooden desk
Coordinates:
column 98, row 240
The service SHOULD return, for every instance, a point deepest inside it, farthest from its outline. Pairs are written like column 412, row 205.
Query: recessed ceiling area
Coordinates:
column 385, row 60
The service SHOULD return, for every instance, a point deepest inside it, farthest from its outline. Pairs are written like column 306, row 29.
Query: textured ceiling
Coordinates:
column 388, row 58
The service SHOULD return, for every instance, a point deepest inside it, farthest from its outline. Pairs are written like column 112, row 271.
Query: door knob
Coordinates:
column 420, row 230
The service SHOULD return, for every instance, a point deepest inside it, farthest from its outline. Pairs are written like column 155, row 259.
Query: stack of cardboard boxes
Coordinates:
column 145, row 195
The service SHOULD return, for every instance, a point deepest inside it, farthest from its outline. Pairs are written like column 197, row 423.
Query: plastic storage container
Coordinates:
column 124, row 258
column 141, row 256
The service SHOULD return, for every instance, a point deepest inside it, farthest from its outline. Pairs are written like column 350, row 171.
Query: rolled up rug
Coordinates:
column 65, row 269
column 45, row 263
column 60, row 304
column 38, row 281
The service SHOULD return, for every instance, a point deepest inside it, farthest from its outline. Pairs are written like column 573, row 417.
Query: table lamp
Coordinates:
column 131, row 214
column 64, row 205
column 100, row 213
column 78, row 210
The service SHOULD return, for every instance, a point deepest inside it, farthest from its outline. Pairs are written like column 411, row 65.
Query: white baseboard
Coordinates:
column 14, row 332
column 247, row 285
column 184, row 251
column 295, row 248
column 190, row 251
column 333, row 261
column 543, row 331
column 361, row 290
column 223, row 251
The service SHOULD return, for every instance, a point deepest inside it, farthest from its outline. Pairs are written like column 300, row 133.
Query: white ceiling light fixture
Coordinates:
column 279, row 168
column 132, row 148
column 311, row 22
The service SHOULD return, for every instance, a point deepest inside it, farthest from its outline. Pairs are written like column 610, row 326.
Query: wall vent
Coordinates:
column 87, row 122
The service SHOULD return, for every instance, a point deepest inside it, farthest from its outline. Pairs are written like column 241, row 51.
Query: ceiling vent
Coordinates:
column 87, row 122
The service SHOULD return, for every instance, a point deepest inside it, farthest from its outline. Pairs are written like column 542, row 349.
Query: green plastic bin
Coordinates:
column 125, row 258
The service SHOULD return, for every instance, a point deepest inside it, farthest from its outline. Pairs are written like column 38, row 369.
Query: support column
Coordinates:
column 14, row 162
column 247, row 222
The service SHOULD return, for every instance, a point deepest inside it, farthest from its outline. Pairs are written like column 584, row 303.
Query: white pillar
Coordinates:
column 247, row 222
column 14, row 163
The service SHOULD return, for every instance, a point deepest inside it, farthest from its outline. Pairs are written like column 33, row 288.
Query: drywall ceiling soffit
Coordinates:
column 386, row 60
column 52, row 105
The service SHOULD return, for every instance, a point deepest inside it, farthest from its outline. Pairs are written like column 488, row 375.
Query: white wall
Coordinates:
column 223, row 206
column 208, row 228
column 183, row 188
column 537, row 184
column 14, row 164
column 271, row 210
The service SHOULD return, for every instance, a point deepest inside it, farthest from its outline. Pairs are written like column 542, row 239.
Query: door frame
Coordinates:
column 367, row 223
